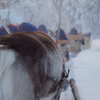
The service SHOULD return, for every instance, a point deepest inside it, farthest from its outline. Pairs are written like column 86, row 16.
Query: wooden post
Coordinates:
column 74, row 89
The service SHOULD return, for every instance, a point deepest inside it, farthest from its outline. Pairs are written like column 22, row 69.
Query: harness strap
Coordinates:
column 62, row 84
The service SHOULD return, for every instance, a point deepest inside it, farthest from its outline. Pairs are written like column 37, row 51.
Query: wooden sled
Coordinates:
column 73, row 86
column 74, row 89
column 61, row 41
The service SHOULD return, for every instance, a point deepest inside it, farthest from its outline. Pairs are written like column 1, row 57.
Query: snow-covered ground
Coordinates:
column 86, row 68
column 87, row 72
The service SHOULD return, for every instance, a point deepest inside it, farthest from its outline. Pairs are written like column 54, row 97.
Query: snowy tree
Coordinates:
column 84, row 15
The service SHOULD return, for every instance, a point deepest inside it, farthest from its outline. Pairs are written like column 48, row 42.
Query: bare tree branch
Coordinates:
column 59, row 4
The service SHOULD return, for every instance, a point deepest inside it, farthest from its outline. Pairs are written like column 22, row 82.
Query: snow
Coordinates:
column 87, row 72
column 67, row 95
column 85, row 69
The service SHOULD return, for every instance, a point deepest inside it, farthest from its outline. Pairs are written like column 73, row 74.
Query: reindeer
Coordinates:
column 31, row 67
column 86, row 41
column 75, row 42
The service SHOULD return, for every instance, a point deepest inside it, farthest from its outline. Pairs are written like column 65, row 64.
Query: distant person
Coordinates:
column 27, row 27
column 73, row 31
column 88, row 35
column 62, row 36
column 3, row 31
column 43, row 28
column 75, row 42
column 12, row 29
column 83, row 41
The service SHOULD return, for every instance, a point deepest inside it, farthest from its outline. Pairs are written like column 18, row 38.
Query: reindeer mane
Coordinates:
column 39, row 55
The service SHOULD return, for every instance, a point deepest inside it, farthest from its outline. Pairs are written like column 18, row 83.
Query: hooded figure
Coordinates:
column 64, row 46
column 73, row 31
column 88, row 35
column 3, row 31
column 75, row 41
column 12, row 28
column 62, row 36
column 27, row 27
column 43, row 28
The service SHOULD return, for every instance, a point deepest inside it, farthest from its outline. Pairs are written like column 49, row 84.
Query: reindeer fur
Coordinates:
column 30, row 66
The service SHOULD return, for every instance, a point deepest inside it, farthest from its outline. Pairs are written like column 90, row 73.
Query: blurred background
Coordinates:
column 84, row 15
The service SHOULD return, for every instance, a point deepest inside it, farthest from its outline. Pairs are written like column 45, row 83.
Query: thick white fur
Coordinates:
column 50, row 97
column 7, row 58
column 56, row 64
column 15, row 83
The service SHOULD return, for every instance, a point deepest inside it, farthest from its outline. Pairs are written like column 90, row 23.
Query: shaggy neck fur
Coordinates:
column 31, row 64
column 7, row 58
